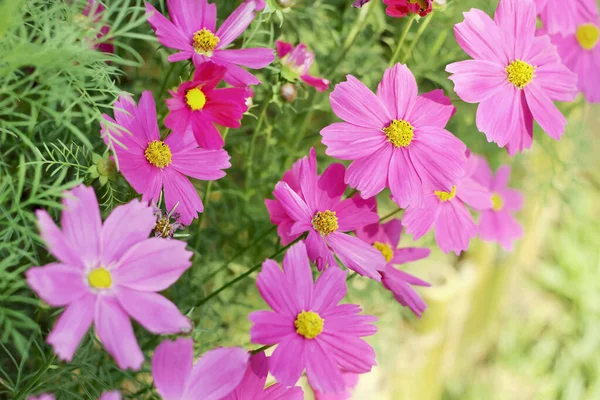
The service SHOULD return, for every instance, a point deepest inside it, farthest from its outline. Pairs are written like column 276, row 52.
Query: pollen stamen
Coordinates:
column 100, row 278
column 497, row 202
column 520, row 73
column 163, row 227
column 205, row 42
column 309, row 324
column 385, row 249
column 158, row 154
column 587, row 35
column 400, row 133
column 446, row 196
column 195, row 99
column 325, row 222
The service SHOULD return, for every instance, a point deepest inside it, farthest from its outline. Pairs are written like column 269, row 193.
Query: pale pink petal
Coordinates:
column 418, row 221
column 482, row 172
column 329, row 289
column 81, row 222
column 345, row 319
column 557, row 81
column 398, row 91
column 454, row 227
column 112, row 395
column 404, row 182
column 357, row 255
column 206, row 165
column 180, row 56
column 291, row 348
column 236, row 24
column 501, row 178
column 369, row 174
column 522, row 136
column 269, row 327
column 392, row 230
column 480, row 37
column 431, row 109
column 477, row 80
column 71, row 326
column 125, row 226
column 180, row 192
column 152, row 265
column 351, row 353
column 516, row 19
column 292, row 203
column 146, row 115
column 501, row 227
column 350, row 142
column 153, row 311
column 321, row 369
column 408, row 254
column 494, row 115
column 513, row 199
column 353, row 102
column 545, row 112
column 331, row 186
column 474, row 195
column 56, row 242
column 216, row 374
column 275, row 289
column 238, row 76
column 299, row 274
column 318, row 251
column 57, row 284
column 43, row 396
column 252, row 385
column 308, row 180
column 191, row 16
column 167, row 33
column 171, row 366
column 396, row 281
column 351, row 217
column 281, row 392
column 256, row 58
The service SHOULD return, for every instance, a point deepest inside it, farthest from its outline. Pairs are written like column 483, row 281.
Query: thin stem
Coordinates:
column 390, row 215
column 247, row 273
column 201, row 217
column 414, row 42
column 402, row 40
column 261, row 119
column 165, row 81
column 263, row 348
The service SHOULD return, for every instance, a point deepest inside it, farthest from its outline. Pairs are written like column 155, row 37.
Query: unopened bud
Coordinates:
column 289, row 92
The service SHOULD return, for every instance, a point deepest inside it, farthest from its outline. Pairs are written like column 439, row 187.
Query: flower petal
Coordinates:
column 454, row 227
column 517, row 19
column 398, row 91
column 404, row 181
column 269, row 327
column 191, row 16
column 299, row 274
column 350, row 142
column 171, row 366
column 206, row 165
column 57, row 243
column 477, row 80
column 545, row 112
column 353, row 102
column 57, row 284
column 167, row 33
column 351, row 353
column 480, row 37
column 357, row 255
column 180, row 192
column 288, row 360
column 71, row 326
column 321, row 370
column 275, row 289
column 431, row 109
column 293, row 205
column 236, row 24
column 369, row 174
column 256, row 58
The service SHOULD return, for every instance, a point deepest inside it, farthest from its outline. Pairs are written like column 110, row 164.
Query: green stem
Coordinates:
column 261, row 119
column 414, row 42
column 247, row 273
column 409, row 23
column 201, row 217
column 263, row 348
column 165, row 81
column 390, row 215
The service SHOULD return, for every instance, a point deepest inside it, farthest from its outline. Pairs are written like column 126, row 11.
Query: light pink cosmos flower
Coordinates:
column 396, row 138
column 214, row 376
column 310, row 329
column 515, row 76
column 107, row 273
column 385, row 238
column 150, row 164
column 350, row 382
column 498, row 223
column 562, row 16
column 580, row 52
column 252, row 386
column 112, row 395
column 307, row 202
column 92, row 14
column 446, row 213
column 296, row 62
column 196, row 106
column 192, row 30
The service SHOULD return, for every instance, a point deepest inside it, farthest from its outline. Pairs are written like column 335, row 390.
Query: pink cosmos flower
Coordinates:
column 260, row 4
column 92, row 14
column 446, row 213
column 515, row 76
column 252, row 386
column 385, row 238
column 561, row 17
column 107, row 273
column 150, row 164
column 296, row 62
column 350, row 382
column 112, row 395
column 197, row 106
column 498, row 223
column 580, row 52
column 307, row 202
column 401, row 8
column 214, row 376
column 192, row 31
column 396, row 138
column 310, row 329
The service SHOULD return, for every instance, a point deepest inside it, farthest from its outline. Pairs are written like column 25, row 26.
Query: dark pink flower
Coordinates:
column 401, row 8
column 92, row 13
column 307, row 202
column 312, row 331
column 192, row 31
column 296, row 62
column 197, row 106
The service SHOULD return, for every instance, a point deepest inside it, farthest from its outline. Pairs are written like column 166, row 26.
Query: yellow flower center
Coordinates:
column 587, row 35
column 163, row 227
column 385, row 249
column 205, row 42
column 100, row 278
column 422, row 3
column 399, row 133
column 195, row 99
column 325, row 222
column 158, row 154
column 497, row 202
column 520, row 73
column 446, row 196
column 309, row 324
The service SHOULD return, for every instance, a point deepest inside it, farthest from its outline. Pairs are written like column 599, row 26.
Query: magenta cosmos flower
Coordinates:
column 580, row 52
column 252, row 386
column 89, row 18
column 310, row 329
column 396, row 138
column 498, row 223
column 150, row 164
column 401, row 8
column 515, row 76
column 112, row 395
column 192, row 31
column 307, row 202
column 197, row 106
column 562, row 17
column 296, row 63
column 446, row 213
column 350, row 382
column 385, row 238
column 107, row 273
column 215, row 375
